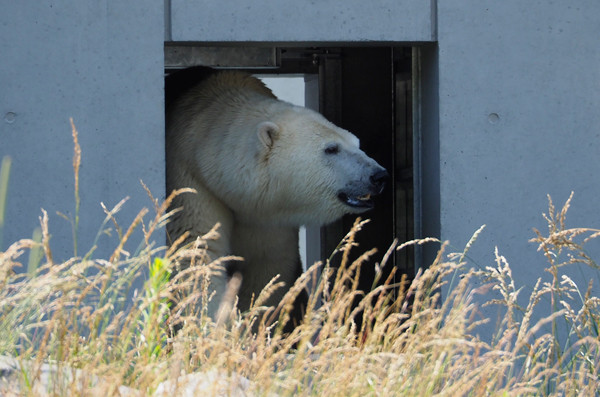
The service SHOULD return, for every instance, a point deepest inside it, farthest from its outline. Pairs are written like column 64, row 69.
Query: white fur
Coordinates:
column 260, row 169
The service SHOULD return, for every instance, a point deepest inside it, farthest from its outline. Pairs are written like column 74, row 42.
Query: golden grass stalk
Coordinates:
column 4, row 177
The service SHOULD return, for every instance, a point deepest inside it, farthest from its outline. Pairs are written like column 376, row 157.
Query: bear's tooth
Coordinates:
column 365, row 197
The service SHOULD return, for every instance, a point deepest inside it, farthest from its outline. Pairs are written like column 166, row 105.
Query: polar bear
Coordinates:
column 261, row 167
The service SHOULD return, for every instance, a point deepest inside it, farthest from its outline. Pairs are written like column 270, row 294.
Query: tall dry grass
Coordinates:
column 81, row 319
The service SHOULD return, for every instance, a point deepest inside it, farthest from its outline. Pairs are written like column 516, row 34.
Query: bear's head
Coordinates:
column 309, row 171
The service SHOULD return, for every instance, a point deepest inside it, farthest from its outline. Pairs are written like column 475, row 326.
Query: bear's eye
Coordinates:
column 332, row 149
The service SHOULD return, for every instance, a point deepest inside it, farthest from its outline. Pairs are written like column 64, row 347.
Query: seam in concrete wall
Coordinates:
column 168, row 26
column 434, row 19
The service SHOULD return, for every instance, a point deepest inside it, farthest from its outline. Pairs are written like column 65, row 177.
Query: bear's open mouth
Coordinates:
column 364, row 201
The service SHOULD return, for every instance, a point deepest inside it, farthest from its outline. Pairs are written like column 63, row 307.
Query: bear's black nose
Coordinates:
column 378, row 179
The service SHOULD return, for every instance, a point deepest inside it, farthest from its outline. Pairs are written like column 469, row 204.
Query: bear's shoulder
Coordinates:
column 238, row 80
column 212, row 81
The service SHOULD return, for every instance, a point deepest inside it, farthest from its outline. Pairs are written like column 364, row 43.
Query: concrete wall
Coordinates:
column 519, row 118
column 101, row 63
column 306, row 21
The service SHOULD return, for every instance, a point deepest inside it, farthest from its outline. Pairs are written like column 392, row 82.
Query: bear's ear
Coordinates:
column 267, row 133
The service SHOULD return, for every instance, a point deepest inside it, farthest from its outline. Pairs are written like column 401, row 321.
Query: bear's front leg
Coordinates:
column 268, row 251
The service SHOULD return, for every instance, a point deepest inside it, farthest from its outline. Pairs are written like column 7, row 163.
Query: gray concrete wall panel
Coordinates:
column 101, row 63
column 519, row 111
column 304, row 21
